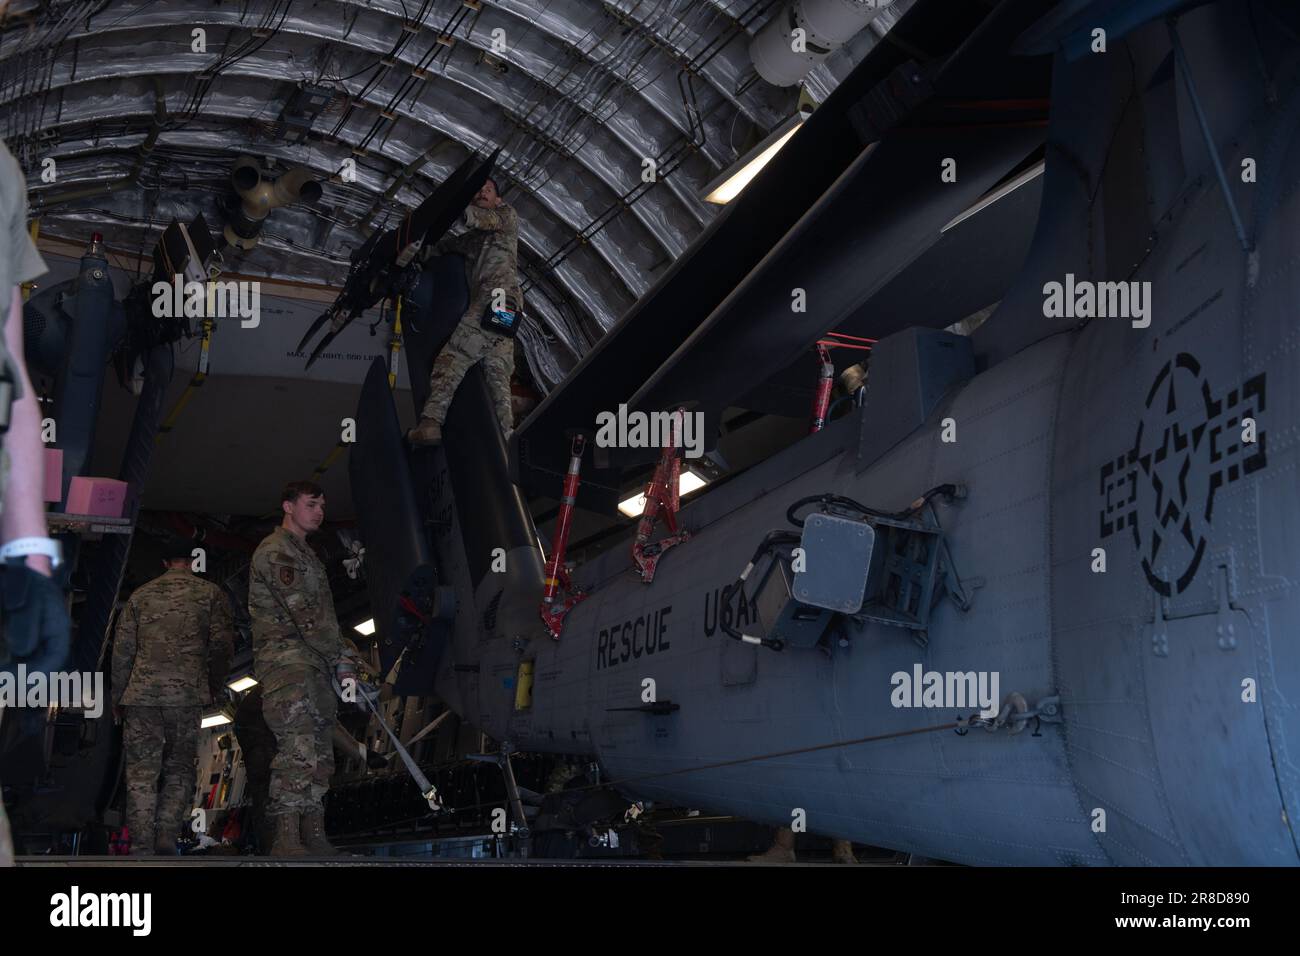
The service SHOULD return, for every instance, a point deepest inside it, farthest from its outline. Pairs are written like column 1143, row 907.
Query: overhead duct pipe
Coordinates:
column 783, row 57
column 45, row 198
column 259, row 196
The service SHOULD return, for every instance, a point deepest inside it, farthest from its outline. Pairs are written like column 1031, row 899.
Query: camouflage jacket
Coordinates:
column 173, row 643
column 491, row 250
column 289, row 600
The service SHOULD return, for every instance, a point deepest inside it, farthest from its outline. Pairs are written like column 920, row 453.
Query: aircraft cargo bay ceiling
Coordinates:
column 145, row 106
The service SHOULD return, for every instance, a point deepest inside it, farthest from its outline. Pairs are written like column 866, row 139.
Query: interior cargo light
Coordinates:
column 216, row 718
column 688, row 481
column 736, row 177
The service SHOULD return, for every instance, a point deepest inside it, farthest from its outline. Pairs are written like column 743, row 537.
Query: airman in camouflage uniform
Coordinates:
column 171, row 654
column 296, row 645
column 490, row 247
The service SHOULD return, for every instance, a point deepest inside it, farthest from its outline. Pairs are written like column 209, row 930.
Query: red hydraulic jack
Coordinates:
column 661, row 494
column 552, row 609
column 825, row 381
column 826, row 373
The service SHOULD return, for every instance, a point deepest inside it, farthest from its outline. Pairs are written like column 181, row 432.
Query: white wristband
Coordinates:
column 22, row 547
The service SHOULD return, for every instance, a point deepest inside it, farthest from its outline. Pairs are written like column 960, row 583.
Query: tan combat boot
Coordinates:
column 781, row 850
column 427, row 432
column 842, row 852
column 286, row 842
column 313, row 834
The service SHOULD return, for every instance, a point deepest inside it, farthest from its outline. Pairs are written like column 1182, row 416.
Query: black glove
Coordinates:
column 34, row 626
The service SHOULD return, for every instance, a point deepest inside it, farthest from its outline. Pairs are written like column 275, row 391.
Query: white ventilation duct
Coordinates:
column 783, row 56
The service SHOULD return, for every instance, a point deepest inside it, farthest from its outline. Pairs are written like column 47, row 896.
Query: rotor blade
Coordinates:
column 315, row 327
column 427, row 222
column 363, row 251
column 329, row 337
column 461, row 194
column 433, row 217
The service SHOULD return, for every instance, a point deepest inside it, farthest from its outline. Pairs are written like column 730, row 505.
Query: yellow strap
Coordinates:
column 199, row 376
column 395, row 346
column 332, row 457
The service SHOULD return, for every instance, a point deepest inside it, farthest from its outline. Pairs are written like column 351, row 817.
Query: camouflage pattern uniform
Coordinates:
column 19, row 262
column 296, row 643
column 171, row 652
column 490, row 247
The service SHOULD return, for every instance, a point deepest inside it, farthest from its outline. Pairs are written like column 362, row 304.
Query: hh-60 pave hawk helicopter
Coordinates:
column 1085, row 509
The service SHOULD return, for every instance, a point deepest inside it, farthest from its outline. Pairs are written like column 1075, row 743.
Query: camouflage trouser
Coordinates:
column 301, row 715
column 6, row 838
column 467, row 345
column 159, row 740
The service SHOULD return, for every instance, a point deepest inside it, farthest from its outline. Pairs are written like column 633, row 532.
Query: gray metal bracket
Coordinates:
column 502, row 760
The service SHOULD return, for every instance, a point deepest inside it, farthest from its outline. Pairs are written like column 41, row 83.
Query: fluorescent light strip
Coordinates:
column 728, row 185
column 687, row 482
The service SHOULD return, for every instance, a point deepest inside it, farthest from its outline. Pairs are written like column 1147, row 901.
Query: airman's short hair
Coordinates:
column 296, row 489
column 178, row 549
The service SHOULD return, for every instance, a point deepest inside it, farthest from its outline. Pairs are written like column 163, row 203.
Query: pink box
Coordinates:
column 101, row 497
column 54, row 474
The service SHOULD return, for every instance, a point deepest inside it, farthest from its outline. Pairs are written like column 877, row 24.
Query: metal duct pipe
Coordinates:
column 827, row 26
column 43, row 199
column 258, row 197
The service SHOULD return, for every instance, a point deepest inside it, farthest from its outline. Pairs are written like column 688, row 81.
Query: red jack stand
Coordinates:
column 557, row 575
column 661, row 493
column 825, row 380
